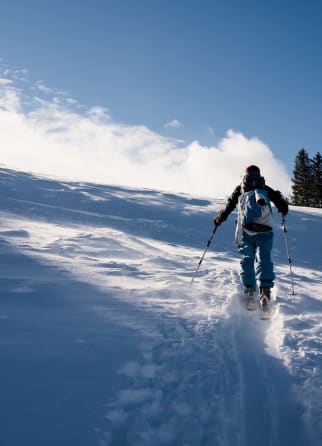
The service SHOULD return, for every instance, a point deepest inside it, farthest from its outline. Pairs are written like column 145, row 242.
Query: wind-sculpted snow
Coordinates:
column 103, row 342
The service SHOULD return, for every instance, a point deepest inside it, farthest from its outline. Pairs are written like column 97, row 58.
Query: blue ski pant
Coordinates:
column 256, row 263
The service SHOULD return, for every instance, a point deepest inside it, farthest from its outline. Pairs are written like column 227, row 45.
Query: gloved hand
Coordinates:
column 218, row 219
column 284, row 210
column 282, row 204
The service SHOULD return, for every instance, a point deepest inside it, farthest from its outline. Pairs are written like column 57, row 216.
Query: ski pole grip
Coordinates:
column 283, row 224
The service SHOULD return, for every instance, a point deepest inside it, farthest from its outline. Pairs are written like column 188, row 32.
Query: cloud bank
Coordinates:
column 46, row 132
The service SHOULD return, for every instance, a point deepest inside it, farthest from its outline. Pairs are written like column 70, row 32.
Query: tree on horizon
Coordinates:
column 302, row 180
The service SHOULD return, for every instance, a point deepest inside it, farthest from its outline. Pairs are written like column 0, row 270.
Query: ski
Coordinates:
column 265, row 314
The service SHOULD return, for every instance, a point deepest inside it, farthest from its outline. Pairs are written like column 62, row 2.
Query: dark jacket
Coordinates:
column 274, row 195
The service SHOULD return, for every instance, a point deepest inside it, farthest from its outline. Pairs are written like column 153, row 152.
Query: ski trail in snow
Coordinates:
column 269, row 401
column 206, row 380
column 258, row 403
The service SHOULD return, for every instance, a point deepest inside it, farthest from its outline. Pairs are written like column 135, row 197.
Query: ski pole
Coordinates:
column 287, row 252
column 204, row 253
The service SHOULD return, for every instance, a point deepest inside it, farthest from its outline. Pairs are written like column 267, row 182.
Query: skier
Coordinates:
column 254, row 231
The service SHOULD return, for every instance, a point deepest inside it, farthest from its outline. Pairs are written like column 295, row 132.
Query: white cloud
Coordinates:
column 4, row 81
column 55, row 138
column 10, row 100
column 43, row 88
column 175, row 124
column 98, row 113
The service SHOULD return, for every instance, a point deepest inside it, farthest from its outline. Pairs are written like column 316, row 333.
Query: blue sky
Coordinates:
column 204, row 66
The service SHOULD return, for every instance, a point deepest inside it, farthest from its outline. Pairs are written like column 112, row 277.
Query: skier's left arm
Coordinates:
column 279, row 201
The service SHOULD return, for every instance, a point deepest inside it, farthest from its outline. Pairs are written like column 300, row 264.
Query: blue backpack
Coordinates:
column 253, row 206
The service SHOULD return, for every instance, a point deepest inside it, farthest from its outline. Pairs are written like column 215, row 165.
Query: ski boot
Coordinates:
column 264, row 297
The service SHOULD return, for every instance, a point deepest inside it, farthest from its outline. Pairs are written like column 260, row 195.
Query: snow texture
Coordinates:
column 104, row 343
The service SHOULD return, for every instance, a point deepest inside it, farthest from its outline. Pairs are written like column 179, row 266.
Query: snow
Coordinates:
column 103, row 342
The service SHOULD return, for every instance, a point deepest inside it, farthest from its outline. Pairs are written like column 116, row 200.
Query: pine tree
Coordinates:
column 316, row 164
column 302, row 180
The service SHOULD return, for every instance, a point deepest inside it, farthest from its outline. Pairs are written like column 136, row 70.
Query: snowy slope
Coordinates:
column 104, row 343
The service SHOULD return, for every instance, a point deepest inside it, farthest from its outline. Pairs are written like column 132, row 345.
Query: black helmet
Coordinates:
column 252, row 169
column 252, row 179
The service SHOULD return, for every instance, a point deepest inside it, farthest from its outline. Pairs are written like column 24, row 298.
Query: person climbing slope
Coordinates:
column 254, row 231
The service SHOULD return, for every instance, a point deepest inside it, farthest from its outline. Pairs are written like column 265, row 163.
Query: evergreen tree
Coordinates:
column 302, row 180
column 316, row 164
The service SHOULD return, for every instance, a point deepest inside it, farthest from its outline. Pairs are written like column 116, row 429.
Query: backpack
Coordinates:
column 253, row 207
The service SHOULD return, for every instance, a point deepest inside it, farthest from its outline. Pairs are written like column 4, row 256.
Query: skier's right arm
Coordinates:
column 230, row 206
